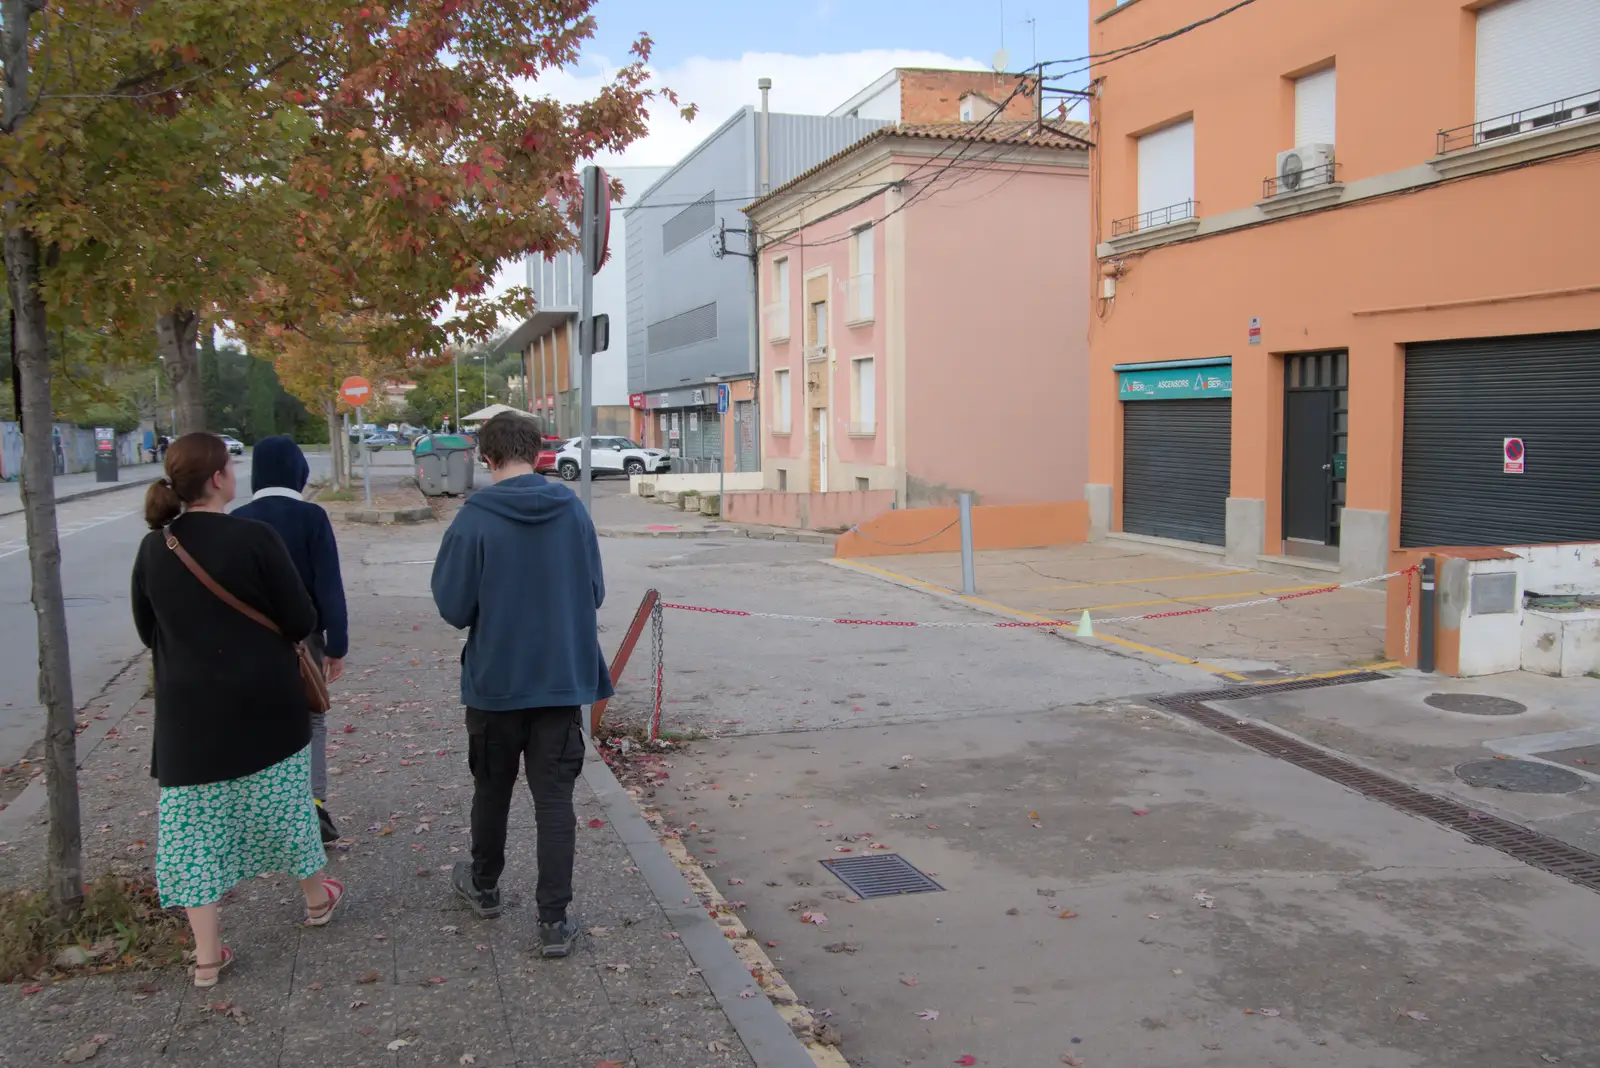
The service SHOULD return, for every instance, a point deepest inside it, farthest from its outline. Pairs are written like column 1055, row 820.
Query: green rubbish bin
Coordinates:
column 432, row 456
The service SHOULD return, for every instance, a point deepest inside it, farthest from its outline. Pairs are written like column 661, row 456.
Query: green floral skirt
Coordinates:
column 214, row 836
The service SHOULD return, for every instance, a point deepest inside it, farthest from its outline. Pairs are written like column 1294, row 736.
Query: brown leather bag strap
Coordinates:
column 211, row 584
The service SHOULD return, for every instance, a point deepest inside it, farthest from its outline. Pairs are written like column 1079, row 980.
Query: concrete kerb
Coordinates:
column 764, row 1032
column 390, row 517
column 121, row 695
column 98, row 491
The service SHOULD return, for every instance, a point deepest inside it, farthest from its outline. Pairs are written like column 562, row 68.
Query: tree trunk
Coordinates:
column 65, row 861
column 210, row 376
column 31, row 360
column 330, row 411
column 177, row 333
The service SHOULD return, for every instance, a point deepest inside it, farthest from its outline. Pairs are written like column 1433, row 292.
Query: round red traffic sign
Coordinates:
column 1514, row 449
column 355, row 391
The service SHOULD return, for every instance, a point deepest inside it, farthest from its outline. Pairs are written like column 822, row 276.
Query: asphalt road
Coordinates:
column 98, row 538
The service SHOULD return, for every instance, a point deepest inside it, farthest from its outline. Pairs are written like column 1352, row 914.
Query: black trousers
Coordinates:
column 549, row 742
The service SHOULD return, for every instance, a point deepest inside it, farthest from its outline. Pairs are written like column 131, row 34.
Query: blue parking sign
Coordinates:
column 722, row 398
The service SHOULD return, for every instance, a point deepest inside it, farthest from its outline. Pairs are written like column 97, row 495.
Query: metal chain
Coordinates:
column 658, row 663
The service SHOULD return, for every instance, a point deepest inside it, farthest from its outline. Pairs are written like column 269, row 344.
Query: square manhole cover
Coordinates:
column 885, row 875
column 1586, row 757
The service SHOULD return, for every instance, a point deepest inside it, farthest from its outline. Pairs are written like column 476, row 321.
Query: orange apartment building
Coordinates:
column 1347, row 297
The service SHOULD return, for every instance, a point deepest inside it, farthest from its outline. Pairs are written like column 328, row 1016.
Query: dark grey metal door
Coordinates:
column 1175, row 468
column 1462, row 400
column 1315, row 427
column 1308, row 465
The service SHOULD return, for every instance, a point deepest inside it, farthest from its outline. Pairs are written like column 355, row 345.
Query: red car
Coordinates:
column 547, row 456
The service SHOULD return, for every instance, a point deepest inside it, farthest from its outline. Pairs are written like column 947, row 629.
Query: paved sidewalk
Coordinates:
column 404, row 976
column 81, row 484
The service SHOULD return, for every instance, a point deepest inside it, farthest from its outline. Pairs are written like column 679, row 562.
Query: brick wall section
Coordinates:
column 935, row 95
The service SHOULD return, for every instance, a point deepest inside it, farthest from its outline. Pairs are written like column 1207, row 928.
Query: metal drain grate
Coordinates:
column 885, row 875
column 1530, row 847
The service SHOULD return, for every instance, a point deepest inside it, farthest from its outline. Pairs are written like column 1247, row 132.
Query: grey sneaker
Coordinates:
column 556, row 939
column 484, row 903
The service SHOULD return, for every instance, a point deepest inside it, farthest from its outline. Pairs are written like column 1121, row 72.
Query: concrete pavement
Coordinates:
column 79, row 485
column 1127, row 891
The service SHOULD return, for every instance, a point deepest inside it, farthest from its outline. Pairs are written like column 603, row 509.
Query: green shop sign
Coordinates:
column 1175, row 383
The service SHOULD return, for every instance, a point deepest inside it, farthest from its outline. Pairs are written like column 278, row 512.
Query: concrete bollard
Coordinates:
column 667, row 497
column 647, row 489
column 711, row 504
column 689, row 501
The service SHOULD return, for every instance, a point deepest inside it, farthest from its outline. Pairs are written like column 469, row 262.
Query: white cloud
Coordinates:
column 801, row 85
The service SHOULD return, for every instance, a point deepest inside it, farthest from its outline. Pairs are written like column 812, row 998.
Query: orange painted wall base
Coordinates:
column 997, row 526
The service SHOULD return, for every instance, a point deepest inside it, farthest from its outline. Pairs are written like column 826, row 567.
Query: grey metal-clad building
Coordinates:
column 689, row 312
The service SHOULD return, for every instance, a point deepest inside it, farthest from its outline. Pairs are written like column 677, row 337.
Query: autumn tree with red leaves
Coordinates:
column 281, row 164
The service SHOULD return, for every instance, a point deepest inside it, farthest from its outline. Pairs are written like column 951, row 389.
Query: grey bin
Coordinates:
column 443, row 463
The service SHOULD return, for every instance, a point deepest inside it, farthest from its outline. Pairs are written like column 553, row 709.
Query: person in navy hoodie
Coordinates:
column 278, row 476
column 519, row 569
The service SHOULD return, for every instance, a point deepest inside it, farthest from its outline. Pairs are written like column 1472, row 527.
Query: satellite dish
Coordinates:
column 1001, row 60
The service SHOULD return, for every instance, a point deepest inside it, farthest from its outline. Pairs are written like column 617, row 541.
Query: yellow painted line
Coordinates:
column 1136, row 581
column 1034, row 617
column 1091, row 608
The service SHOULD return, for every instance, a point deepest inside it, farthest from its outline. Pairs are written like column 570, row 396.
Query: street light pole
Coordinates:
column 455, row 380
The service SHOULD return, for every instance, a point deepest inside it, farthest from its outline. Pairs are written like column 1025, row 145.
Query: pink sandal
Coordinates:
column 220, row 967
column 323, row 915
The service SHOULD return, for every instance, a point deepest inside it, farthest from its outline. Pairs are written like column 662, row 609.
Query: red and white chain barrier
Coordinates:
column 1052, row 624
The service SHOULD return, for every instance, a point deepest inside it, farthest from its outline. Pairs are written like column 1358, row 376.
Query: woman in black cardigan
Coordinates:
column 232, row 725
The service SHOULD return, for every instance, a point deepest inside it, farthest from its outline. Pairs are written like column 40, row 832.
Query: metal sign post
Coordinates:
column 357, row 391
column 594, row 236
column 366, row 461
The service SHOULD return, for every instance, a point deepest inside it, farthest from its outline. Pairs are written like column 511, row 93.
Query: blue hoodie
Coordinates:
column 520, row 567
column 278, row 474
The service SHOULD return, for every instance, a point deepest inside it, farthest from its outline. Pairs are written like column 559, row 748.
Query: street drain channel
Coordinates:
column 1530, row 847
column 884, row 875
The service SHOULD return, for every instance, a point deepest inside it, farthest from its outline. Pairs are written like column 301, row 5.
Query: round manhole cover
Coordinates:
column 1518, row 776
column 1474, row 704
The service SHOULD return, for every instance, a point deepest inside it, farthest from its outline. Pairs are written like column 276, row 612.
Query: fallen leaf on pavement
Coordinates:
column 747, row 993
column 598, row 931
column 596, row 824
column 1414, row 1014
column 314, row 986
column 398, row 1044
column 928, row 1014
column 619, row 968
column 354, row 1005
column 909, row 980
column 1270, row 1012
column 1033, row 815
column 817, row 918
column 468, row 1058
column 27, row 990
column 370, row 977
column 436, row 980
column 1141, row 812
column 1066, row 914
column 967, row 1060
column 1070, row 1061
column 449, row 929
column 85, row 1049
column 735, row 882
column 717, row 1047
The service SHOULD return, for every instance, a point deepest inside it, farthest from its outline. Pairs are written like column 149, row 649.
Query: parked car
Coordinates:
column 381, row 439
column 235, row 446
column 608, row 455
column 547, row 455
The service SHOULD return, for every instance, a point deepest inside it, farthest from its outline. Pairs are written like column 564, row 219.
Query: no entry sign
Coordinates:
column 355, row 391
column 1515, row 456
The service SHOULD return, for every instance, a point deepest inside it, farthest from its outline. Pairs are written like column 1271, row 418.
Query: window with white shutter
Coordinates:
column 1535, row 52
column 1166, row 171
column 781, row 416
column 866, row 396
column 1314, row 108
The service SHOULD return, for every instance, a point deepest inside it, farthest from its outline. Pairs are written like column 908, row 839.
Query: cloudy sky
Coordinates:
column 818, row 53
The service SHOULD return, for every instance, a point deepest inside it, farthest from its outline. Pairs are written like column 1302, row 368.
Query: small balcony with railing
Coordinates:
column 777, row 316
column 859, row 300
column 1156, row 226
column 1553, row 128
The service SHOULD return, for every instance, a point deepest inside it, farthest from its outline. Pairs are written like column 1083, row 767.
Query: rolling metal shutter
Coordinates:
column 1463, row 399
column 1533, row 52
column 1175, row 468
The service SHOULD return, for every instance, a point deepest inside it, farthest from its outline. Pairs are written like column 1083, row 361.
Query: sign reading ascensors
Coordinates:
column 1515, row 455
column 1175, row 383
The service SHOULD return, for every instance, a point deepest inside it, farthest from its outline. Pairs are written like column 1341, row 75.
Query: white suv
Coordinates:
column 610, row 455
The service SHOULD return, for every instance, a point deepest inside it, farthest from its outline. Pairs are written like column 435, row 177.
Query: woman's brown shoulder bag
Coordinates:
column 310, row 675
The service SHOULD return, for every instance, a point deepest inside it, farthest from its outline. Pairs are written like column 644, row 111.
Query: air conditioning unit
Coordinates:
column 1304, row 167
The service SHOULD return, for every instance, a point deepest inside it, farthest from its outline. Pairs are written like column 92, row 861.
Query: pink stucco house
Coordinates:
column 926, row 296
